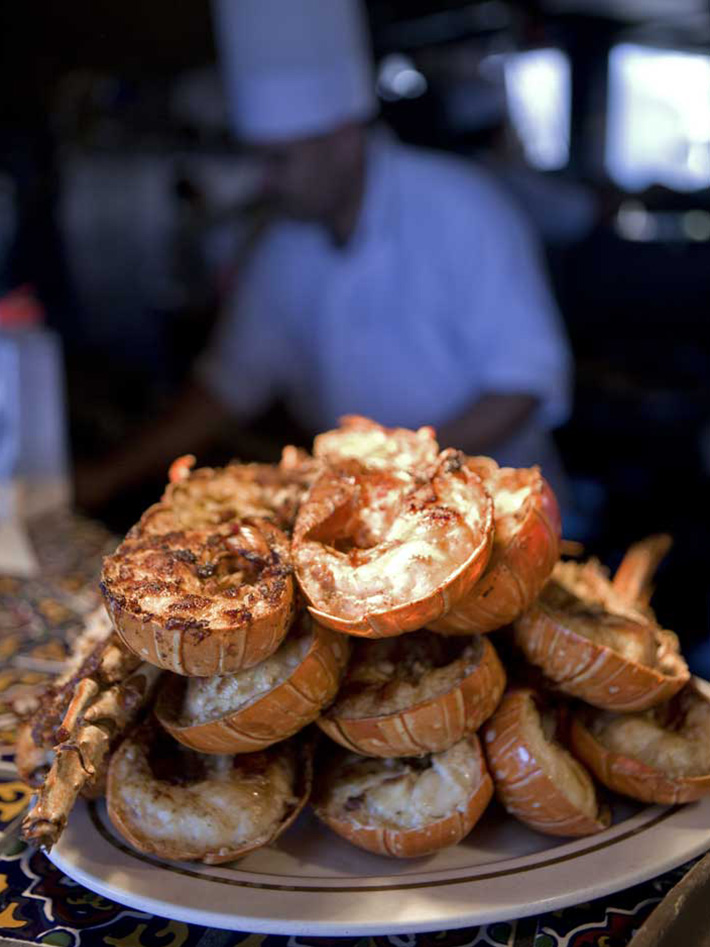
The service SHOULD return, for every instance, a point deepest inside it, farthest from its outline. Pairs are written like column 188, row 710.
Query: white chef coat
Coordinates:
column 438, row 297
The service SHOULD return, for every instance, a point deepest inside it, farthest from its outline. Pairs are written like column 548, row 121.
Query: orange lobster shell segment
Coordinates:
column 380, row 552
column 178, row 804
column 400, row 822
column 526, row 547
column 202, row 601
column 615, row 662
column 294, row 702
column 473, row 684
column 660, row 756
column 536, row 779
column 359, row 438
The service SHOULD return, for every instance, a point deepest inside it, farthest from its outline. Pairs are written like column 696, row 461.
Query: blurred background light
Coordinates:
column 696, row 225
column 658, row 129
column 398, row 78
column 633, row 222
column 539, row 89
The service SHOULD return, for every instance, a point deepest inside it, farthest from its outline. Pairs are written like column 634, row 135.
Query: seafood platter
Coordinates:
column 378, row 646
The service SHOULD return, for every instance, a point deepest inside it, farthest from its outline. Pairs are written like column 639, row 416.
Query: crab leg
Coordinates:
column 81, row 755
column 632, row 581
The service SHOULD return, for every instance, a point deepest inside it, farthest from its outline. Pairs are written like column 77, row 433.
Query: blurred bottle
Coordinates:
column 33, row 437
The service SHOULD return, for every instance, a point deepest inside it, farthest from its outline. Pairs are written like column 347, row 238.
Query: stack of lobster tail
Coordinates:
column 365, row 589
column 639, row 725
column 394, row 537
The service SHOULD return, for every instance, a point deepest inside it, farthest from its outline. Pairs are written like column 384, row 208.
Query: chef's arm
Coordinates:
column 192, row 425
column 489, row 423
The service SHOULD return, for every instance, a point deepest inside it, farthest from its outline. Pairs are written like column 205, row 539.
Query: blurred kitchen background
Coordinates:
column 126, row 207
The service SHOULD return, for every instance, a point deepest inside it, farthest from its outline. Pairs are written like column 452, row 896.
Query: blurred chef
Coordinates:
column 397, row 283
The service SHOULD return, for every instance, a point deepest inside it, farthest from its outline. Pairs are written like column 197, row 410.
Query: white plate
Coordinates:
column 311, row 882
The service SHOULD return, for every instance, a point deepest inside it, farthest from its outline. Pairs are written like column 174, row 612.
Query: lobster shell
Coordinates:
column 329, row 510
column 429, row 726
column 527, row 775
column 126, row 818
column 526, row 546
column 270, row 717
column 594, row 672
column 630, row 776
column 167, row 615
column 362, row 439
column 422, row 840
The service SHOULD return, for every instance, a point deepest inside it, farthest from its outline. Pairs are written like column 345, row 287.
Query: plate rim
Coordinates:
column 448, row 917
column 527, row 862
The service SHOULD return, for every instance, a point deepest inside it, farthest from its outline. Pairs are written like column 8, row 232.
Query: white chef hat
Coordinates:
column 294, row 68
